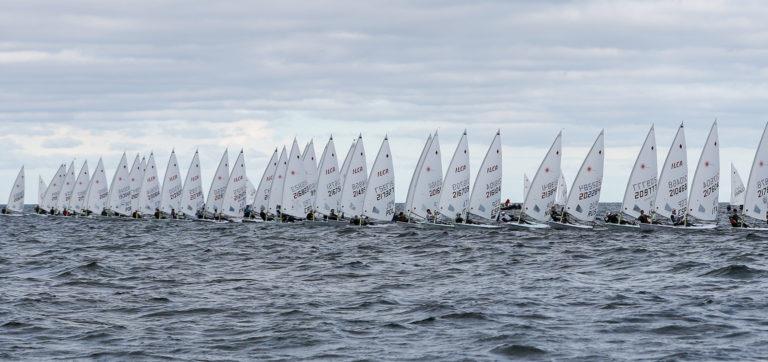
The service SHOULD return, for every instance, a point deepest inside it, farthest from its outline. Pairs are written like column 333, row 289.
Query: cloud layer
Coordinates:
column 86, row 79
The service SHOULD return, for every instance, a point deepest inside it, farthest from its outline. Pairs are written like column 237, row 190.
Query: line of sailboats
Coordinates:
column 295, row 187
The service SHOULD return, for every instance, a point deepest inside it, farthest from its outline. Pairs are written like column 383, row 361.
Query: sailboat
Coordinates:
column 543, row 190
column 275, row 200
column 15, row 203
column 136, row 179
column 149, row 196
column 702, row 204
column 485, row 199
column 171, row 192
column 234, row 201
column 526, row 184
column 642, row 185
column 120, row 197
column 355, row 182
column 66, row 190
column 737, row 189
column 261, row 198
column 347, row 159
column 328, row 184
column 192, row 201
column 562, row 191
column 297, row 201
column 218, row 187
column 97, row 194
column 672, row 194
column 310, row 167
column 426, row 184
column 77, row 201
column 379, row 201
column 584, row 197
column 454, row 195
column 756, row 192
column 41, row 186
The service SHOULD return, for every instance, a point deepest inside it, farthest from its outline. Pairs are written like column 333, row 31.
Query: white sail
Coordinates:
column 98, row 192
column 250, row 191
column 526, row 185
column 673, row 180
column 705, row 186
column 355, row 181
column 485, row 199
column 136, row 178
column 149, row 197
column 53, row 190
column 545, row 184
column 41, row 186
column 218, row 186
column 66, row 190
column 379, row 202
column 235, row 194
column 77, row 201
column 562, row 191
column 347, row 159
column 737, row 188
column 275, row 200
column 643, row 183
column 16, row 197
column 756, row 194
column 120, row 194
column 296, row 190
column 260, row 201
column 310, row 167
column 429, row 182
column 171, row 193
column 454, row 196
column 328, row 181
column 584, row 197
column 409, row 205
column 192, row 193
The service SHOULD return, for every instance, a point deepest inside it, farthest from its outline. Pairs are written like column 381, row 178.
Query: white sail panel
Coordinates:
column 584, row 197
column 379, row 202
column 53, row 190
column 66, row 190
column 562, row 191
column 98, row 192
column 454, row 196
column 296, row 190
column 429, row 182
column 640, row 193
column 278, row 181
column 526, row 185
column 355, row 182
column 136, row 177
column 250, row 191
column 41, row 186
column 236, row 191
column 705, row 186
column 120, row 194
column 347, row 159
column 485, row 199
column 756, row 194
column 77, row 201
column 328, row 181
column 737, row 188
column 310, row 167
column 171, row 193
column 149, row 196
column 16, row 197
column 409, row 205
column 218, row 186
column 192, row 199
column 673, row 181
column 265, row 185
column 545, row 184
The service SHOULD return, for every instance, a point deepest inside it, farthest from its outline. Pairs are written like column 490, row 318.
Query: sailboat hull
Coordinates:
column 563, row 226
column 664, row 227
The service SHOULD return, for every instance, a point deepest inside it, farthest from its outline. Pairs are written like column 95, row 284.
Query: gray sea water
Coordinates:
column 119, row 289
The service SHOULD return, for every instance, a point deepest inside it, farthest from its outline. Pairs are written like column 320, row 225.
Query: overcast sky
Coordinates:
column 83, row 79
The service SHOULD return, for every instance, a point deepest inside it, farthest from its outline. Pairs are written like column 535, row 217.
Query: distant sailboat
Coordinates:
column 171, row 193
column 15, row 203
column 355, row 182
column 136, row 177
column 297, row 201
column 41, row 186
column 427, row 186
column 642, row 185
column 409, row 205
column 756, row 193
column 149, row 196
column 328, row 182
column 544, row 188
column 66, row 190
column 454, row 195
column 77, row 201
column 310, row 167
column 673, row 180
column 192, row 200
column 98, row 193
column 260, row 200
column 705, row 188
column 275, row 201
column 485, row 200
column 584, row 197
column 218, row 187
column 379, row 202
column 54, row 189
column 234, row 202
column 120, row 197
column 737, row 189
column 562, row 191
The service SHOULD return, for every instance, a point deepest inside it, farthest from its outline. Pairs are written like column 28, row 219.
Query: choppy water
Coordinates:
column 79, row 288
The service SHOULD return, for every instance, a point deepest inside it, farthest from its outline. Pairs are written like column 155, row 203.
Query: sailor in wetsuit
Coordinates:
column 643, row 218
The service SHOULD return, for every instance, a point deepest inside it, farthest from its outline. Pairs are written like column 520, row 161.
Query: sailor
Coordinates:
column 643, row 218
column 458, row 219
column 554, row 213
column 401, row 217
column 173, row 214
column 157, row 213
column 504, row 217
column 332, row 215
column 247, row 212
column 4, row 210
column 310, row 215
column 430, row 216
column 611, row 217
column 674, row 218
column 263, row 214
column 736, row 220
column 53, row 211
